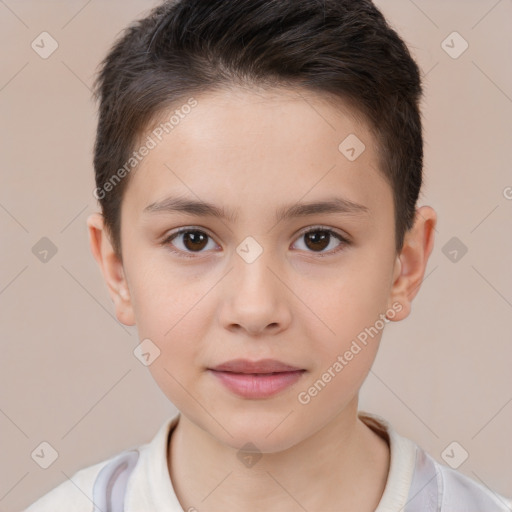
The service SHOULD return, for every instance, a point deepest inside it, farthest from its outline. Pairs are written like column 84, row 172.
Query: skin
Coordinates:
column 255, row 152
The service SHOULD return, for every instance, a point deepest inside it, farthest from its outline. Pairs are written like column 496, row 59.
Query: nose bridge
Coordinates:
column 253, row 262
column 253, row 299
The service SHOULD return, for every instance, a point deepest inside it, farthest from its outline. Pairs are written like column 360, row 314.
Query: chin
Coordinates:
column 270, row 431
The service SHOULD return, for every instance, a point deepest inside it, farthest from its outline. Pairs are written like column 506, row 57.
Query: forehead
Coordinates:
column 243, row 147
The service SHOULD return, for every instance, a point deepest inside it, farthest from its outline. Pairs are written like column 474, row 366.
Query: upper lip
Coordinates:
column 261, row 366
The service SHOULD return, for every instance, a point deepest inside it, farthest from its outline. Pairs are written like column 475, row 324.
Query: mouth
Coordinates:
column 256, row 379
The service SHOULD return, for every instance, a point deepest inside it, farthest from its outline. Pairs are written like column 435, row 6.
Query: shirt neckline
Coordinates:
column 153, row 486
column 402, row 462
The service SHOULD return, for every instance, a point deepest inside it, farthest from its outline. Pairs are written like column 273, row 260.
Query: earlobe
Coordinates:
column 412, row 262
column 111, row 268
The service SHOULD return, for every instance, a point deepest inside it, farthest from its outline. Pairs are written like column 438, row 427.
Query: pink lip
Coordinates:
column 256, row 379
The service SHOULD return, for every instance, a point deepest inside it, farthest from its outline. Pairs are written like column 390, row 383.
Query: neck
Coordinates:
column 343, row 466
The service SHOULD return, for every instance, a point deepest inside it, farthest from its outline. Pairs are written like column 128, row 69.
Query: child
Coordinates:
column 283, row 139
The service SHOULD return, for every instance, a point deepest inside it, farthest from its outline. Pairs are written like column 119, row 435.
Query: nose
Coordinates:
column 255, row 298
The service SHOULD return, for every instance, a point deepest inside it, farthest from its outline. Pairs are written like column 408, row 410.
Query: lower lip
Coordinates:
column 251, row 385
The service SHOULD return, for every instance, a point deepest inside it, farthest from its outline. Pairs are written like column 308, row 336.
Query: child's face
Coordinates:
column 302, row 301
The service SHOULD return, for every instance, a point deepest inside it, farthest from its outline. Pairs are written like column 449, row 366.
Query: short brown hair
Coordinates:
column 343, row 48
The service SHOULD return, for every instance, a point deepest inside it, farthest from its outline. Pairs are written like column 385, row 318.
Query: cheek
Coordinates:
column 170, row 311
column 176, row 324
column 350, row 300
column 352, row 307
column 346, row 343
column 163, row 296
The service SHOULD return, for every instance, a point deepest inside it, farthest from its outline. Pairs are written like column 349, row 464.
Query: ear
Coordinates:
column 111, row 268
column 410, row 265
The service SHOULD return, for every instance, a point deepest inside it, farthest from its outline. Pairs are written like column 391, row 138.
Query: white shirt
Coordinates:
column 140, row 477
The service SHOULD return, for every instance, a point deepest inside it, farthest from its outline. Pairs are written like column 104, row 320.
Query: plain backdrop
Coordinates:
column 68, row 375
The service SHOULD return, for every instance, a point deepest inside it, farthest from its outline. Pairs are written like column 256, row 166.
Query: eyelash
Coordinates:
column 190, row 254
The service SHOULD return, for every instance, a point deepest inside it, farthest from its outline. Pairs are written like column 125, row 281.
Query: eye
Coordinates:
column 189, row 241
column 318, row 238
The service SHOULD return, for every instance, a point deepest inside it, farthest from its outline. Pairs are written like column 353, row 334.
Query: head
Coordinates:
column 261, row 110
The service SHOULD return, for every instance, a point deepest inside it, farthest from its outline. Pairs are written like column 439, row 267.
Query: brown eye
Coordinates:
column 194, row 240
column 187, row 241
column 318, row 239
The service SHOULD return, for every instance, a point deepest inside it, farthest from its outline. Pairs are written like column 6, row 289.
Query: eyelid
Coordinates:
column 343, row 239
column 177, row 231
column 303, row 231
column 321, row 227
column 185, row 254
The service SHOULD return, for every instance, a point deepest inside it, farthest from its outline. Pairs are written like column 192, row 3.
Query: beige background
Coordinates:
column 68, row 374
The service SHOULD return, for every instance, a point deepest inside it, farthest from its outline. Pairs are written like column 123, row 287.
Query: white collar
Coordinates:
column 401, row 466
column 152, row 488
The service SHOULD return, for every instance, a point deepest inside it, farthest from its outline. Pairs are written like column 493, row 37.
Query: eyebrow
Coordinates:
column 337, row 205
